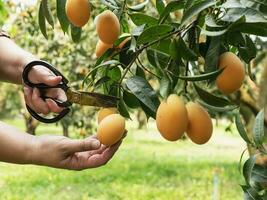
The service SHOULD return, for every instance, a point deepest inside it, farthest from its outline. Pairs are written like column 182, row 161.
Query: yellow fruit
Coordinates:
column 232, row 77
column 101, row 48
column 172, row 118
column 104, row 112
column 111, row 129
column 78, row 12
column 108, row 27
column 200, row 127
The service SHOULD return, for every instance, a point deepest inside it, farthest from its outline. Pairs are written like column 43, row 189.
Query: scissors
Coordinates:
column 73, row 96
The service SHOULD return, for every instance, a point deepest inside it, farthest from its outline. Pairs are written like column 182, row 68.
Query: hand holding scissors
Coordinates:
column 78, row 97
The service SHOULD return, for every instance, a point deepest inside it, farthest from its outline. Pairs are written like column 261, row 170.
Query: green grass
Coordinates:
column 146, row 167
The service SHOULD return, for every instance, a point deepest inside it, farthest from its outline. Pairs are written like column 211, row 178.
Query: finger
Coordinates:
column 87, row 144
column 41, row 74
column 98, row 160
column 50, row 80
column 56, row 93
column 28, row 96
column 38, row 103
column 53, row 107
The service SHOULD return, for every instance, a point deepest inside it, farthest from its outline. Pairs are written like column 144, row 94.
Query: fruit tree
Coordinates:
column 181, row 62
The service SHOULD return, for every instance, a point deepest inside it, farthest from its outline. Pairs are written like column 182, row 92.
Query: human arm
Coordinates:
column 53, row 151
column 12, row 62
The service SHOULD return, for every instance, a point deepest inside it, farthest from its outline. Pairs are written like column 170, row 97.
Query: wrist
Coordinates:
column 33, row 153
column 23, row 60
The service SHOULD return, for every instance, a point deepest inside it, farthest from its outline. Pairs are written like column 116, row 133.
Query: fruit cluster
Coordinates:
column 107, row 24
column 173, row 117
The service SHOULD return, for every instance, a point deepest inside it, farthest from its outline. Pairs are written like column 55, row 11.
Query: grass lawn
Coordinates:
column 146, row 167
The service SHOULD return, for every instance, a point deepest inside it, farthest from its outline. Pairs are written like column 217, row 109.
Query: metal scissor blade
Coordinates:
column 91, row 99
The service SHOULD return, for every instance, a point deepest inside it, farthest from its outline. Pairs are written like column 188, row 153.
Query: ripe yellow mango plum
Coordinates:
column 108, row 27
column 200, row 127
column 101, row 48
column 233, row 75
column 171, row 118
column 104, row 112
column 111, row 129
column 78, row 12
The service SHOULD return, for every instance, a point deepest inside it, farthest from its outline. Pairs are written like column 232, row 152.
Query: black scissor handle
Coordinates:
column 38, row 117
column 41, row 86
column 28, row 68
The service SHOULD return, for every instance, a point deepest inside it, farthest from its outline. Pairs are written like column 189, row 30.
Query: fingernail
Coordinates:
column 95, row 144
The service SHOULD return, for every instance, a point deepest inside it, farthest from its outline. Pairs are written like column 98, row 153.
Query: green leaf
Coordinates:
column 153, row 33
column 213, row 33
column 47, row 12
column 251, row 15
column 140, row 19
column 139, row 7
column 202, row 77
column 186, row 53
column 247, row 168
column 241, row 129
column 122, row 108
column 101, row 81
column 147, row 111
column 232, row 4
column 218, row 109
column 61, row 15
column 137, row 31
column 195, row 9
column 171, row 7
column 165, row 86
column 236, row 38
column 109, row 62
column 41, row 21
column 249, row 51
column 140, row 72
column 250, row 193
column 210, row 98
column 144, row 92
column 157, row 58
column 76, row 33
column 160, row 6
column 258, row 128
column 259, row 29
column 126, row 56
column 130, row 100
column 188, row 4
column 114, row 73
column 241, row 160
column 212, row 56
column 163, row 46
column 210, row 22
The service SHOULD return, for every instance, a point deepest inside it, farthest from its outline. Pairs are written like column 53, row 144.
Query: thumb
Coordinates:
column 83, row 145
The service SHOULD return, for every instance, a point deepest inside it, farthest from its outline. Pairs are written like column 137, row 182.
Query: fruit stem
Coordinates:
column 143, row 67
column 140, row 50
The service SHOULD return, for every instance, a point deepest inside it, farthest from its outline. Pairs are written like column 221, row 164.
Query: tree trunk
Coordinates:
column 30, row 123
column 254, row 101
column 65, row 131
column 141, row 118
